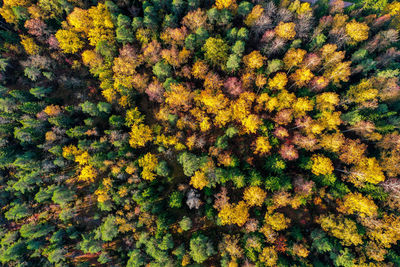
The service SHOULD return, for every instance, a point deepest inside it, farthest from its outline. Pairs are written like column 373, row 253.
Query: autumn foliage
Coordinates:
column 199, row 133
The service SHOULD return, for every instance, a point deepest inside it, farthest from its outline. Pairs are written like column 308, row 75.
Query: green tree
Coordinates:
column 124, row 30
column 201, row 248
column 162, row 70
column 216, row 51
column 109, row 229
column 185, row 223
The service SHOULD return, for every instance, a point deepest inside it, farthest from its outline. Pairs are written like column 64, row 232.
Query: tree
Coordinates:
column 69, row 41
column 357, row 31
column 175, row 200
column 185, row 223
column 124, row 33
column 269, row 256
column 162, row 70
column 191, row 163
column 216, row 51
column 357, row 203
column 108, row 230
column 254, row 60
column 294, row 57
column 201, row 248
column 278, row 82
column 17, row 211
column 199, row 180
column 149, row 163
column 254, row 196
column 341, row 228
column 253, row 15
column 321, row 165
column 286, row 30
column 135, row 259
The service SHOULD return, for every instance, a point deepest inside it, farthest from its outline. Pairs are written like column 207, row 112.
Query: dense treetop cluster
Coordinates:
column 199, row 133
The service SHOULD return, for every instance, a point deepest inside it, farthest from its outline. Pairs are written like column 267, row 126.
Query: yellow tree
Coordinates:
column 327, row 101
column 254, row 60
column 149, row 163
column 221, row 4
column 366, row 170
column 87, row 174
column 69, row 41
column 321, row 165
column 286, row 30
column 140, row 134
column 279, row 81
column 255, row 13
column 199, row 180
column 254, row 196
column 179, row 97
column 269, row 256
column 79, row 19
column 29, row 45
column 355, row 203
column 357, row 31
column 341, row 228
column 262, row 145
column 294, row 57
column 302, row 77
column 277, row 221
column 234, row 214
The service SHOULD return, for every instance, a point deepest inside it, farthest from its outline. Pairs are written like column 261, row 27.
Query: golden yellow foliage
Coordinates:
column 69, row 151
column 140, row 134
column 251, row 123
column 294, row 57
column 269, row 256
column 29, row 45
column 339, row 72
column 321, row 165
column 357, row 31
column 88, row 174
column 79, row 19
column 302, row 76
column 362, row 92
column 385, row 231
column 301, row 106
column 300, row 250
column 82, row 158
column 277, row 221
column 255, row 13
column 221, row 4
column 254, row 196
column 254, row 60
column 69, row 41
column 179, row 97
column 332, row 142
column 279, row 81
column 149, row 163
column 200, row 69
column 366, row 170
column 330, row 120
column 7, row 13
column 199, row 180
column 50, row 136
column 341, row 228
column 327, row 101
column 355, row 203
column 91, row 58
column 286, row 30
column 262, row 145
column 52, row 110
column 234, row 214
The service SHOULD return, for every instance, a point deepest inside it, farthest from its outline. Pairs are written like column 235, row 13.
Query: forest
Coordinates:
column 167, row 133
